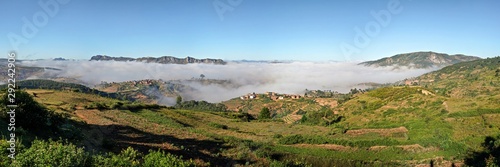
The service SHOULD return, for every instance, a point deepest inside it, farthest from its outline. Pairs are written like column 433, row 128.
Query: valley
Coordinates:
column 444, row 118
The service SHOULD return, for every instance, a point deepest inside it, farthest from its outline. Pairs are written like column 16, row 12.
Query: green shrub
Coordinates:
column 52, row 153
column 323, row 117
column 97, row 105
column 389, row 112
column 201, row 106
column 5, row 160
column 127, row 158
column 30, row 114
column 265, row 113
column 292, row 139
column 116, row 105
column 288, row 163
column 160, row 158
column 216, row 125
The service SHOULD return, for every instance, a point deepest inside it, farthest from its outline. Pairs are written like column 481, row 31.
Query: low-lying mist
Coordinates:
column 291, row 78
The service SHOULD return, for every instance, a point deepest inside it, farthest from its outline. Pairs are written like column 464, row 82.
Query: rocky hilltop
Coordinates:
column 420, row 60
column 161, row 60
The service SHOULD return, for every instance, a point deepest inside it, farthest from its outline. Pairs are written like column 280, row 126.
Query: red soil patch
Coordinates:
column 327, row 102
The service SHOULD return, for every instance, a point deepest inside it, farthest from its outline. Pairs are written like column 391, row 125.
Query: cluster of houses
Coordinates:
column 249, row 96
column 141, row 82
column 133, row 83
column 272, row 95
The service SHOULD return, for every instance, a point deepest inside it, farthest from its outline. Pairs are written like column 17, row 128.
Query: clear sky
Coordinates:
column 253, row 29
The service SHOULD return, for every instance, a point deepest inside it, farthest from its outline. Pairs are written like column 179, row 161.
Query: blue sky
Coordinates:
column 253, row 29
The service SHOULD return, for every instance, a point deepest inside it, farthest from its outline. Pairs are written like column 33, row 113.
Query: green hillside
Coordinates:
column 420, row 60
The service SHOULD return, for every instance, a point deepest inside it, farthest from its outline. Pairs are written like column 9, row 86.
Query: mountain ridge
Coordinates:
column 161, row 60
column 420, row 60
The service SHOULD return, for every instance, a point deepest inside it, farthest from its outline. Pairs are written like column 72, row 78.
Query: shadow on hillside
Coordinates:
column 117, row 137
column 488, row 156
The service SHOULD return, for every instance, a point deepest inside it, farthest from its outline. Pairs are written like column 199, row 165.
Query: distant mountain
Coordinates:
column 420, row 60
column 161, row 60
column 59, row 59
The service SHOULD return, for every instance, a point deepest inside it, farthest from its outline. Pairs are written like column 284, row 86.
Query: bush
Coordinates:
column 201, row 106
column 216, row 125
column 5, row 160
column 265, row 113
column 488, row 156
column 324, row 117
column 127, row 158
column 293, row 139
column 29, row 114
column 288, row 163
column 64, row 154
column 116, row 105
column 97, row 105
column 52, row 153
column 389, row 112
column 159, row 158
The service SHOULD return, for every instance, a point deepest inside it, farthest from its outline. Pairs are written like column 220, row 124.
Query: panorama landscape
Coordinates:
column 250, row 83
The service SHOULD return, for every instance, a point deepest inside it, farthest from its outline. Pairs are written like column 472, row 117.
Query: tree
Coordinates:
column 29, row 114
column 489, row 156
column 202, row 76
column 265, row 113
column 179, row 100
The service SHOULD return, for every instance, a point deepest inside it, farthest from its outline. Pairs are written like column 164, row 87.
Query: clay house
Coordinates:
column 249, row 96
column 252, row 96
column 411, row 82
column 295, row 96
column 271, row 94
column 274, row 98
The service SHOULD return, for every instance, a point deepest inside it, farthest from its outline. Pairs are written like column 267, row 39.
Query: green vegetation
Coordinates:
column 420, row 60
column 299, row 139
column 64, row 154
column 474, row 113
column 323, row 117
column 52, row 153
column 160, row 158
column 488, row 156
column 216, row 125
column 265, row 113
column 53, row 85
column 122, row 106
column 201, row 106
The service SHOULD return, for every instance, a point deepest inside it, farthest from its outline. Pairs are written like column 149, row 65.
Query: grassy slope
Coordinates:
column 459, row 108
column 191, row 134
